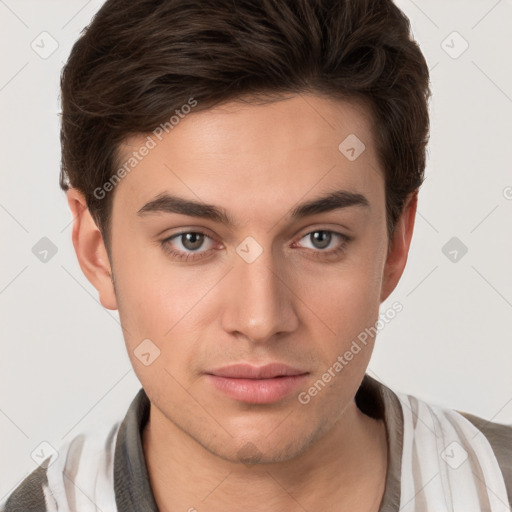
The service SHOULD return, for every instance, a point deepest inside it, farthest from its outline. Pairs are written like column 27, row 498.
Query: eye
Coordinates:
column 188, row 244
column 321, row 239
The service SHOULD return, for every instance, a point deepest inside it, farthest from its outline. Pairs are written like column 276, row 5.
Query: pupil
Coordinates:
column 324, row 238
column 192, row 240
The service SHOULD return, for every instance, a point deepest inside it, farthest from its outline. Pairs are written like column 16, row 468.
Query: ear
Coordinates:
column 399, row 246
column 90, row 249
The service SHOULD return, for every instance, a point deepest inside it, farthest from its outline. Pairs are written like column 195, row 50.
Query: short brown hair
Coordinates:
column 139, row 61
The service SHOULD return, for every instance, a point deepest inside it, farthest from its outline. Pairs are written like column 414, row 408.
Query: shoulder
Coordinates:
column 88, row 457
column 29, row 495
column 499, row 436
column 434, row 434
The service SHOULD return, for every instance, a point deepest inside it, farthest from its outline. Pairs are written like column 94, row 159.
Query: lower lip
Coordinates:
column 257, row 391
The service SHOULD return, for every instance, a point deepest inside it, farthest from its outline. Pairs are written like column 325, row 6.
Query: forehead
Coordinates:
column 240, row 153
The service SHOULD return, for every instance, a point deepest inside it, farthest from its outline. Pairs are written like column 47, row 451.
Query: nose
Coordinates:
column 260, row 302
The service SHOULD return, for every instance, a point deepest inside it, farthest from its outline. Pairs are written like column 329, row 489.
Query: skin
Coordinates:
column 257, row 162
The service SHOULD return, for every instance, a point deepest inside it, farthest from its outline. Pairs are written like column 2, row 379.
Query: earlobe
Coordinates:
column 90, row 249
column 399, row 246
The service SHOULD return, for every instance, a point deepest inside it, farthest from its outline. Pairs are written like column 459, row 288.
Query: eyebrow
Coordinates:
column 166, row 203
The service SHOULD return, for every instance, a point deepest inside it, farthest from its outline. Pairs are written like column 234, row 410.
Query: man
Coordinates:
column 244, row 178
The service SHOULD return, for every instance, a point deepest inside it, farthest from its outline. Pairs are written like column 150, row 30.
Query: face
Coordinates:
column 256, row 279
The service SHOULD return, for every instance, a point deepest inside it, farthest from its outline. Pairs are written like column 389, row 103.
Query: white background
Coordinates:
column 64, row 366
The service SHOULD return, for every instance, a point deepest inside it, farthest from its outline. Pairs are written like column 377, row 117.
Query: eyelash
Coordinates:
column 186, row 256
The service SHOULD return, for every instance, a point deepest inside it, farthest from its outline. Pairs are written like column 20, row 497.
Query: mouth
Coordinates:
column 256, row 384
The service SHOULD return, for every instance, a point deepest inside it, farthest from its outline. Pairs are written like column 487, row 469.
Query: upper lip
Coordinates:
column 247, row 371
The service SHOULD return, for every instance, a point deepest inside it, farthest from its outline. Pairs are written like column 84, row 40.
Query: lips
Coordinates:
column 246, row 371
column 256, row 384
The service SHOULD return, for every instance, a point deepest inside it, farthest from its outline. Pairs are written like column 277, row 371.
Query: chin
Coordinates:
column 261, row 449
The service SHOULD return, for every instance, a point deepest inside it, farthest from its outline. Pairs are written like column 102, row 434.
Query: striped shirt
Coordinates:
column 438, row 460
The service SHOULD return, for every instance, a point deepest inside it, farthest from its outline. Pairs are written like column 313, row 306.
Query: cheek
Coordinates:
column 165, row 304
column 347, row 302
column 160, row 338
column 345, row 296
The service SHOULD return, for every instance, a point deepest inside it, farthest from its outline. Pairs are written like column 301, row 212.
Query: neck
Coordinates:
column 346, row 467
